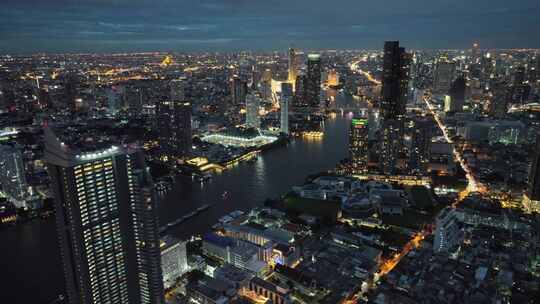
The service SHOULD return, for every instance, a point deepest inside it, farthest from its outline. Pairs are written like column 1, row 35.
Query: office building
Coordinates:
column 106, row 221
column 173, row 260
column 313, row 81
column 300, row 92
column 286, row 98
column 447, row 233
column 239, row 253
column 419, row 151
column 358, row 146
column 498, row 104
column 444, row 75
column 293, row 68
column 12, row 176
column 174, row 128
column 520, row 89
column 114, row 102
column 457, row 94
column 253, row 120
column 178, row 90
column 395, row 81
column 238, row 90
column 532, row 196
column 391, row 144
column 70, row 93
column 133, row 98
column 284, row 109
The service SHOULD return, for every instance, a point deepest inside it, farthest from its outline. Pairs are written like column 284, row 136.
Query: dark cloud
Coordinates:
column 187, row 25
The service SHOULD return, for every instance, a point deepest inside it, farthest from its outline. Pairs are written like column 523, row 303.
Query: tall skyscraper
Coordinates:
column 313, row 81
column 444, row 75
column 520, row 90
column 500, row 95
column 12, row 176
column 300, row 92
column 358, row 146
column 457, row 94
column 106, row 221
column 391, row 144
column 286, row 98
column 293, row 68
column 395, row 81
column 265, row 85
column 419, row 151
column 174, row 128
column 532, row 196
column 253, row 120
column 238, row 90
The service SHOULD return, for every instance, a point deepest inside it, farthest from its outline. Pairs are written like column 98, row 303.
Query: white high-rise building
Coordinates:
column 252, row 111
column 447, row 233
column 173, row 260
column 105, row 204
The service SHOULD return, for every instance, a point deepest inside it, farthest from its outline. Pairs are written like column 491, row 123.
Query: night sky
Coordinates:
column 29, row 26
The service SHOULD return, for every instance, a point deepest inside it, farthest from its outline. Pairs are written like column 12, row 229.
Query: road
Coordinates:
column 473, row 185
column 354, row 67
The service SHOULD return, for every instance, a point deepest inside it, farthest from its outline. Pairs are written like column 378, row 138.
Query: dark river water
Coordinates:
column 31, row 271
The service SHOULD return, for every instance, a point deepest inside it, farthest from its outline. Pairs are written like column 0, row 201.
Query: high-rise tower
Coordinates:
column 238, row 90
column 419, row 152
column 395, row 81
column 174, row 128
column 293, row 69
column 106, row 222
column 286, row 98
column 391, row 144
column 358, row 146
column 532, row 196
column 253, row 120
column 300, row 92
column 313, row 81
column 457, row 94
column 444, row 75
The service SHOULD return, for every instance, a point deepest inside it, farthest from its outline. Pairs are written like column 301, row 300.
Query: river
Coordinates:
column 31, row 270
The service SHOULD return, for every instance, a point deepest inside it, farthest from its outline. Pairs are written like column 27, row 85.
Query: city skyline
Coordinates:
column 64, row 26
column 287, row 152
